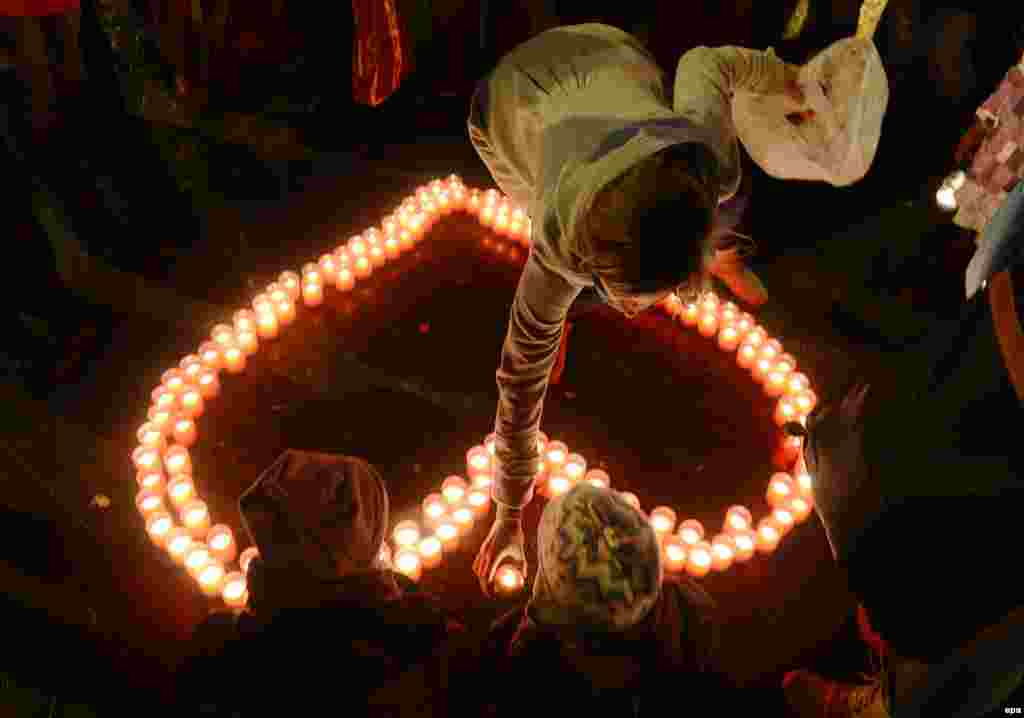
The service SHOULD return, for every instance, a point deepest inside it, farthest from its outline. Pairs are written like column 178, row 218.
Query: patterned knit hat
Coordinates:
column 598, row 562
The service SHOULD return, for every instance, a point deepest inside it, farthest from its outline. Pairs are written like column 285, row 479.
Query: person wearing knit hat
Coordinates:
column 603, row 617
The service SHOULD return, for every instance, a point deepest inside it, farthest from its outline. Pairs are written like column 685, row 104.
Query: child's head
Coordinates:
column 648, row 231
column 598, row 563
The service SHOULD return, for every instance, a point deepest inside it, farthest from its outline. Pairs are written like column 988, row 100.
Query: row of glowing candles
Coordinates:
column 736, row 331
column 162, row 459
column 449, row 514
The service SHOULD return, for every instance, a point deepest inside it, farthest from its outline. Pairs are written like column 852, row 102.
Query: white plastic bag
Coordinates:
column 846, row 86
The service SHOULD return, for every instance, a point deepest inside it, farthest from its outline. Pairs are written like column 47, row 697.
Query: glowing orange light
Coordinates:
column 699, row 559
column 738, row 518
column 691, row 532
column 598, row 478
column 663, row 520
column 454, row 489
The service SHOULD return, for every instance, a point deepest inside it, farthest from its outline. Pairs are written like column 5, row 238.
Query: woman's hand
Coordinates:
column 504, row 544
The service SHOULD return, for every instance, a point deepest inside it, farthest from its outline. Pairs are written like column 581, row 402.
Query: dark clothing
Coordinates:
column 623, row 674
column 921, row 492
column 352, row 655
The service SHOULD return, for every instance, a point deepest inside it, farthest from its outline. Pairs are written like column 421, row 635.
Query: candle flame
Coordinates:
column 220, row 541
column 430, row 546
column 447, row 531
column 700, row 557
column 234, row 589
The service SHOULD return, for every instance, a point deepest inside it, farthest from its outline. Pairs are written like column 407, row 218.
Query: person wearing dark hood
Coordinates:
column 328, row 623
column 919, row 482
column 605, row 624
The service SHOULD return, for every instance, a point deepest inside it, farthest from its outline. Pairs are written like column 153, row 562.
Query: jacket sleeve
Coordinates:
column 707, row 78
column 536, row 322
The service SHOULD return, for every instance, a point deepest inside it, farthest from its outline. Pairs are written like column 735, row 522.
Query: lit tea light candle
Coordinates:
column 630, row 498
column 248, row 341
column 406, row 533
column 209, row 384
column 150, row 436
column 174, row 380
column 800, row 507
column 311, row 272
column 192, row 404
column 447, row 533
column 690, row 314
column 210, row 354
column 147, row 458
column 761, row 368
column 177, row 542
column 558, row 484
column 482, row 480
column 709, row 302
column 236, row 590
column 729, row 313
column 291, row 283
column 285, row 311
column 805, row 401
column 746, row 544
column 190, row 367
column 728, row 338
column 796, row 383
column 784, row 518
column 756, row 336
column 699, row 559
column 222, row 545
column 479, row 500
column 786, row 411
column 196, row 518
column 312, row 294
column 197, row 557
column 746, row 356
column 345, row 280
column 805, row 484
column 785, row 363
column 234, row 359
column 598, row 478
column 261, row 304
column 691, row 532
column 148, row 501
column 267, row 325
column 454, row 489
column 184, row 431
column 181, row 489
column 246, row 558
column 392, row 247
column 430, row 551
column 434, row 507
column 674, row 554
column 723, row 552
column 775, row 383
column 707, row 325
column 509, row 580
column 407, row 563
column 223, row 335
column 362, row 267
column 768, row 535
column 555, row 454
column 738, row 518
column 478, row 460
column 150, row 480
column 158, row 525
column 575, row 466
column 211, row 577
column 663, row 520
column 463, row 517
column 244, row 320
column 164, row 398
column 356, row 247
column 770, row 349
column 328, row 267
column 781, row 489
